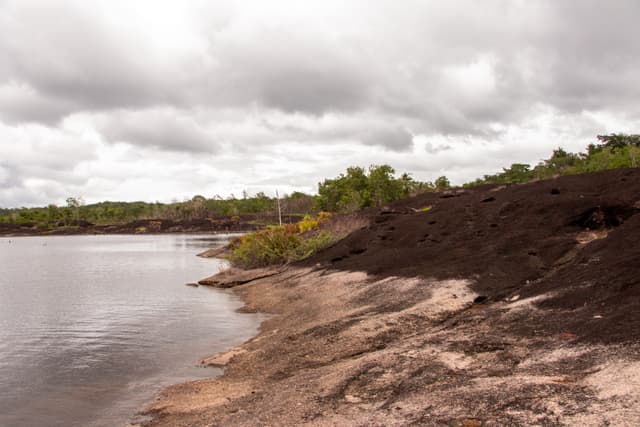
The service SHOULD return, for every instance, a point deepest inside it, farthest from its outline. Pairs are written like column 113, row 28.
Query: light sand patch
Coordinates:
column 589, row 236
column 455, row 361
column 528, row 303
column 222, row 359
column 617, row 379
column 564, row 353
column 617, row 386
column 199, row 395
column 446, row 297
column 516, row 380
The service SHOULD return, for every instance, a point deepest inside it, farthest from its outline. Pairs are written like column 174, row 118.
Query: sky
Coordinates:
column 163, row 100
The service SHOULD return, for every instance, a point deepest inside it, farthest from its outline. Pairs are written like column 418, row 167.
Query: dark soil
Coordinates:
column 520, row 240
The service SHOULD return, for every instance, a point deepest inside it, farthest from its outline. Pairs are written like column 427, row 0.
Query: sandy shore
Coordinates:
column 346, row 348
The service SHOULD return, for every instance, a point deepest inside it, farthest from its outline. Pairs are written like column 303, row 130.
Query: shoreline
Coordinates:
column 343, row 362
column 142, row 227
column 497, row 306
column 122, row 233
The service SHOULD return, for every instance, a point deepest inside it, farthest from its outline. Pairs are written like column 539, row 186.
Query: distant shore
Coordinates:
column 146, row 226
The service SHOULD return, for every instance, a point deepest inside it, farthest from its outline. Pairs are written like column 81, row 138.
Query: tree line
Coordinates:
column 357, row 188
column 76, row 212
column 613, row 151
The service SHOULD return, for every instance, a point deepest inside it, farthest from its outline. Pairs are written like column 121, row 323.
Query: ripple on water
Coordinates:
column 91, row 326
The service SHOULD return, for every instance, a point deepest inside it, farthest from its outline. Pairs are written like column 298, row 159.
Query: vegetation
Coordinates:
column 358, row 189
column 282, row 244
column 613, row 151
column 351, row 191
column 259, row 206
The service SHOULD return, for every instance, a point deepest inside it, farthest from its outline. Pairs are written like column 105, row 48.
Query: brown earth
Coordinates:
column 513, row 305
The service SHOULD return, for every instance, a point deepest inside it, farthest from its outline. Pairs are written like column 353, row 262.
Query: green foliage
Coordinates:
column 357, row 189
column 617, row 141
column 442, row 183
column 615, row 151
column 314, row 243
column 259, row 206
column 281, row 244
column 275, row 245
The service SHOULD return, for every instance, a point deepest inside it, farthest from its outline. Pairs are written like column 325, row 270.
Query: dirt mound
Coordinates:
column 573, row 239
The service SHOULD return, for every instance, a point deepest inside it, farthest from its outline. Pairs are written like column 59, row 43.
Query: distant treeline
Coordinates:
column 258, row 207
column 353, row 190
column 613, row 151
column 357, row 188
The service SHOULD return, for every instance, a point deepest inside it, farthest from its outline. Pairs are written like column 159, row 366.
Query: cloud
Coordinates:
column 160, row 128
column 396, row 139
column 229, row 82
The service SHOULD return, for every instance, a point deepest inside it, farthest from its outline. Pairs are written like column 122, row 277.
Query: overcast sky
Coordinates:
column 152, row 100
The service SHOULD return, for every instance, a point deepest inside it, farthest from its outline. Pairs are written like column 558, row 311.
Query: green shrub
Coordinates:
column 315, row 243
column 265, row 247
column 281, row 244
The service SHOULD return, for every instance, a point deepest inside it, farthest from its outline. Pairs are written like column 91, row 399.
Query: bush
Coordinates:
column 275, row 245
column 308, row 223
column 281, row 244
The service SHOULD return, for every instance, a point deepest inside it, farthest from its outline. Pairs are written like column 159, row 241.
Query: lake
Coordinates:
column 92, row 327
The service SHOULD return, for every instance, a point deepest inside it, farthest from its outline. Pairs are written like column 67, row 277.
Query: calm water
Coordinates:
column 91, row 327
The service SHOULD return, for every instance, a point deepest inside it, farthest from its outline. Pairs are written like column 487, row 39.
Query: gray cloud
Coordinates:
column 236, row 78
column 160, row 128
column 568, row 54
column 397, row 139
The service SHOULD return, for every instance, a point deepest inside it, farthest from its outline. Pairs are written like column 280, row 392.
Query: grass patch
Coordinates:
column 285, row 243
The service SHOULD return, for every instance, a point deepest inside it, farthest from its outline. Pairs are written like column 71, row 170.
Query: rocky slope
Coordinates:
column 516, row 305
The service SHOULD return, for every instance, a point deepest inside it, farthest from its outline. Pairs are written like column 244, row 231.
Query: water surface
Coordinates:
column 91, row 327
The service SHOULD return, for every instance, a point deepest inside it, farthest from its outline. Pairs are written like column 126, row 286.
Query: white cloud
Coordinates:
column 156, row 100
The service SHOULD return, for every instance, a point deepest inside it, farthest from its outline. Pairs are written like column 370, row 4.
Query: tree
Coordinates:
column 382, row 185
column 617, row 141
column 442, row 183
column 52, row 213
column 518, row 172
column 561, row 160
column 357, row 188
column 407, row 184
column 198, row 206
column 621, row 141
column 74, row 203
